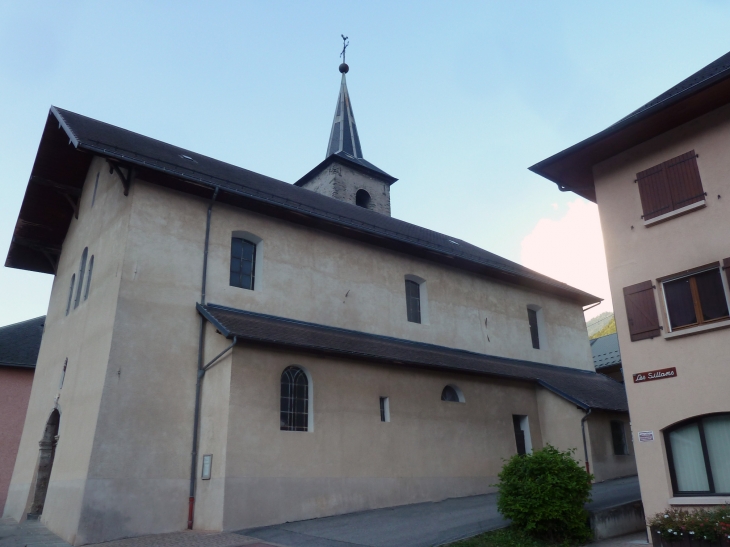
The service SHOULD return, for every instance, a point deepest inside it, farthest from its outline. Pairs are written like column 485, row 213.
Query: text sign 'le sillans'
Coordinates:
column 655, row 375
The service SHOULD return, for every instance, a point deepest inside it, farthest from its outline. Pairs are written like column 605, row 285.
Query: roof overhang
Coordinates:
column 586, row 389
column 64, row 158
column 362, row 166
column 572, row 169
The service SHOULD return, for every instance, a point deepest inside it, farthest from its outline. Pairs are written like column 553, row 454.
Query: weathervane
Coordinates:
column 345, row 42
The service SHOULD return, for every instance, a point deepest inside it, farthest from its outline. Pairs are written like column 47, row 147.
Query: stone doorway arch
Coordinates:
column 46, row 454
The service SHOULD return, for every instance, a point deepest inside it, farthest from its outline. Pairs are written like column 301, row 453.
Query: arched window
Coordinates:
column 88, row 277
column 362, row 199
column 82, row 270
column 698, row 451
column 295, row 400
column 70, row 293
column 452, row 394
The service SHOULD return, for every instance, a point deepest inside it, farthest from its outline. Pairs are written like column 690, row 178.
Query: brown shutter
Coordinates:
column 641, row 311
column 683, row 177
column 656, row 199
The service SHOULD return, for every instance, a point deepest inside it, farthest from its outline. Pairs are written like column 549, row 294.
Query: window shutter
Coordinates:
column 726, row 268
column 656, row 199
column 641, row 311
column 683, row 177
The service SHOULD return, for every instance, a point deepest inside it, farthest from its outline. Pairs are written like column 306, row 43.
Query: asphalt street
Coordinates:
column 421, row 524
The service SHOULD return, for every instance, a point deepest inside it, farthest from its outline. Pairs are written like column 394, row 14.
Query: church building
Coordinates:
column 224, row 350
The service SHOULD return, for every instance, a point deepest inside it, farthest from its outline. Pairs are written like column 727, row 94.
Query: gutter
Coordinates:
column 585, row 445
column 201, row 368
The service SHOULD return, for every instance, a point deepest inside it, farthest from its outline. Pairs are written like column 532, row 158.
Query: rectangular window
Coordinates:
column 522, row 434
column 695, row 299
column 243, row 263
column 618, row 434
column 384, row 409
column 413, row 301
column 534, row 333
column 669, row 186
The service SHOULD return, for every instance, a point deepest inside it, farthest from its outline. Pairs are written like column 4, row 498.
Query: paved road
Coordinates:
column 419, row 525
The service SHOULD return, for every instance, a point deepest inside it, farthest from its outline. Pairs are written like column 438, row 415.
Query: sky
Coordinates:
column 455, row 99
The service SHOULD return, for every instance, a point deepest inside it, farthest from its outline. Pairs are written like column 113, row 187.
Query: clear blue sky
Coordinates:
column 456, row 99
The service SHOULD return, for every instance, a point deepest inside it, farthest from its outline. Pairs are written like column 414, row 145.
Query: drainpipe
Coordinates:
column 585, row 445
column 201, row 368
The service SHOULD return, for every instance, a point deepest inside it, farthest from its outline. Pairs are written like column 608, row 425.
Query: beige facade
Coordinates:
column 653, row 252
column 662, row 231
column 127, row 403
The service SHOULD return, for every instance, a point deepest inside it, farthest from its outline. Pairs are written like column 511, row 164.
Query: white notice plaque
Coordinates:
column 646, row 436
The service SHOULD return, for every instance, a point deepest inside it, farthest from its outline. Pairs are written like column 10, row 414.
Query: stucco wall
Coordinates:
column 15, row 385
column 606, row 465
column 647, row 253
column 352, row 461
column 560, row 423
column 84, row 338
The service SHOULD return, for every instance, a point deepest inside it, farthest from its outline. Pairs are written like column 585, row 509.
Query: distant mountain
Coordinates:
column 601, row 325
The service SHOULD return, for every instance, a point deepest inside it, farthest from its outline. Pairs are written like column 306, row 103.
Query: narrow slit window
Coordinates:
column 82, row 271
column 70, row 293
column 534, row 333
column 618, row 434
column 88, row 277
column 413, row 301
column 385, row 409
column 243, row 263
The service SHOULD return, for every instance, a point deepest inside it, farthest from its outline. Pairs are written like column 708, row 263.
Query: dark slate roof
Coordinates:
column 70, row 141
column 343, row 136
column 586, row 389
column 719, row 68
column 359, row 164
column 606, row 351
column 19, row 343
column 700, row 93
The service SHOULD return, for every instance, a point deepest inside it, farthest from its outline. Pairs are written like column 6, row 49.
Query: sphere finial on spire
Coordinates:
column 343, row 67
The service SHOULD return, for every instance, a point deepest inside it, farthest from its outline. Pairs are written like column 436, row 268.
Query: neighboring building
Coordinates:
column 660, row 177
column 19, row 344
column 364, row 362
column 607, row 356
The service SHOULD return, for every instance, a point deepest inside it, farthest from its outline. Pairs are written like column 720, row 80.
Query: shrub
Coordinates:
column 701, row 524
column 544, row 494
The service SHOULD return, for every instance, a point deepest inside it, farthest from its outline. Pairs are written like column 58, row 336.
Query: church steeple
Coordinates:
column 344, row 174
column 343, row 136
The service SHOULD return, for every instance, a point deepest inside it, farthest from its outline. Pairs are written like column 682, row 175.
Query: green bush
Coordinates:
column 544, row 494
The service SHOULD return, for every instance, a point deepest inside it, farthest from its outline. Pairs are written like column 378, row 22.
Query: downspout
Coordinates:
column 585, row 445
column 201, row 368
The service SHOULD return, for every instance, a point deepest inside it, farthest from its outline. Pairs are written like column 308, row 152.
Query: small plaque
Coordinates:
column 207, row 464
column 660, row 374
column 646, row 436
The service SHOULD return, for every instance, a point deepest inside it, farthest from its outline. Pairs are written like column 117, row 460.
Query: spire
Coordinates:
column 343, row 137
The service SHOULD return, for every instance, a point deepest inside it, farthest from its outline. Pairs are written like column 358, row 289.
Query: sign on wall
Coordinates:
column 655, row 375
column 646, row 436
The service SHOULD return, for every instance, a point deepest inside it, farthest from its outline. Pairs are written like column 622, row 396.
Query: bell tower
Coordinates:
column 345, row 174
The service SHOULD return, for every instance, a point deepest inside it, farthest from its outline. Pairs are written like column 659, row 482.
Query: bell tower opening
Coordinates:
column 362, row 199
